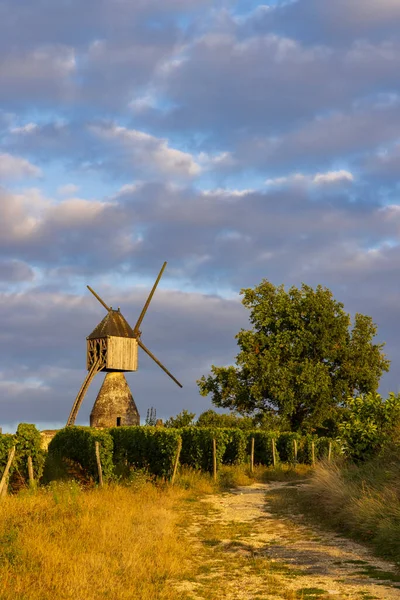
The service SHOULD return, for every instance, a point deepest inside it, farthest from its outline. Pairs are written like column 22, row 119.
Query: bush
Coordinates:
column 27, row 442
column 149, row 448
column 368, row 424
column 78, row 445
column 236, row 446
column 285, row 447
column 197, row 446
column 305, row 454
column 322, row 448
column 7, row 441
column 263, row 454
column 210, row 418
column 184, row 419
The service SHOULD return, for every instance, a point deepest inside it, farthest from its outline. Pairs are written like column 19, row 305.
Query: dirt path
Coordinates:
column 246, row 552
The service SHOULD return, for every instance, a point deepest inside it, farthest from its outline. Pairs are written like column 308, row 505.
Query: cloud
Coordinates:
column 148, row 151
column 323, row 139
column 267, row 83
column 153, row 128
column 15, row 270
column 36, row 228
column 211, row 235
column 39, row 74
column 330, row 178
column 336, row 23
column 15, row 167
column 383, row 165
column 68, row 189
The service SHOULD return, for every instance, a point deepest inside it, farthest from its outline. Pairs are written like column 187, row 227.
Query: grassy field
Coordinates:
column 102, row 543
column 62, row 541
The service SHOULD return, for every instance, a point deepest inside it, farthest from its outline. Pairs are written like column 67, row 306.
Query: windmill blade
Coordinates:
column 146, row 306
column 108, row 308
column 143, row 347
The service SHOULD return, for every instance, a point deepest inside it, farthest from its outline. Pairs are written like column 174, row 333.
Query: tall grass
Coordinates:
column 73, row 540
column 361, row 500
column 115, row 543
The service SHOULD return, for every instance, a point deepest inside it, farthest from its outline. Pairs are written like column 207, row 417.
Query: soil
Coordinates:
column 247, row 552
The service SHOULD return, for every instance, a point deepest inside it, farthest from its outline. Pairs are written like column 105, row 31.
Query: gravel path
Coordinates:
column 264, row 556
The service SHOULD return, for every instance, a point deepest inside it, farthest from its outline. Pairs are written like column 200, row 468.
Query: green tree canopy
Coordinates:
column 184, row 419
column 368, row 423
column 300, row 359
column 210, row 418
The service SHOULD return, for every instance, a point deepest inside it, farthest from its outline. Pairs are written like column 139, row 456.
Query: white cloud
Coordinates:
column 299, row 179
column 332, row 177
column 149, row 151
column 227, row 193
column 25, row 129
column 15, row 167
column 210, row 161
column 75, row 212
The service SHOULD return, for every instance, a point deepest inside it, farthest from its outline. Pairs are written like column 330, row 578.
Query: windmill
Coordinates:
column 112, row 347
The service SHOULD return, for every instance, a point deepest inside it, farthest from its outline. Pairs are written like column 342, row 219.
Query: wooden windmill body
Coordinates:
column 112, row 347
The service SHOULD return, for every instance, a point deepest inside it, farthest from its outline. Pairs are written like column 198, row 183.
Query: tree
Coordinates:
column 151, row 416
column 299, row 360
column 184, row 419
column 368, row 424
column 210, row 418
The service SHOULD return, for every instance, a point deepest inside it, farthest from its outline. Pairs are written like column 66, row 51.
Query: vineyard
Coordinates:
column 111, row 454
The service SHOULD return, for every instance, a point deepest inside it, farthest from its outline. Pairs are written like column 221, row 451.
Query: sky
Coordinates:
column 237, row 141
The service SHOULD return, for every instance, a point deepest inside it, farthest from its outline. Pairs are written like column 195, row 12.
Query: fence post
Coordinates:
column 330, row 452
column 178, row 452
column 215, row 459
column 313, row 453
column 273, row 452
column 295, row 450
column 252, row 456
column 96, row 445
column 30, row 472
column 4, row 479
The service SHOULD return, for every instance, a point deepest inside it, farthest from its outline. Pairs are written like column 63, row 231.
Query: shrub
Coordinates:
column 262, row 446
column 78, row 445
column 285, row 446
column 210, row 418
column 368, row 424
column 183, row 419
column 147, row 448
column 322, row 448
column 305, row 453
column 27, row 442
column 7, row 441
column 197, row 448
column 236, row 446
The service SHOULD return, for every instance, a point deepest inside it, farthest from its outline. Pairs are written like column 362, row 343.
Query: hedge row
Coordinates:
column 78, row 444
column 27, row 442
column 149, row 448
column 155, row 449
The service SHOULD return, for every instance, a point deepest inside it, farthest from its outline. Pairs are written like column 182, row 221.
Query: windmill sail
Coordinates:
column 158, row 362
column 146, row 306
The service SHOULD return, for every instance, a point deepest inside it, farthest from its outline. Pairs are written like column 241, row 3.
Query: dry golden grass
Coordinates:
column 360, row 500
column 118, row 543
column 114, row 543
